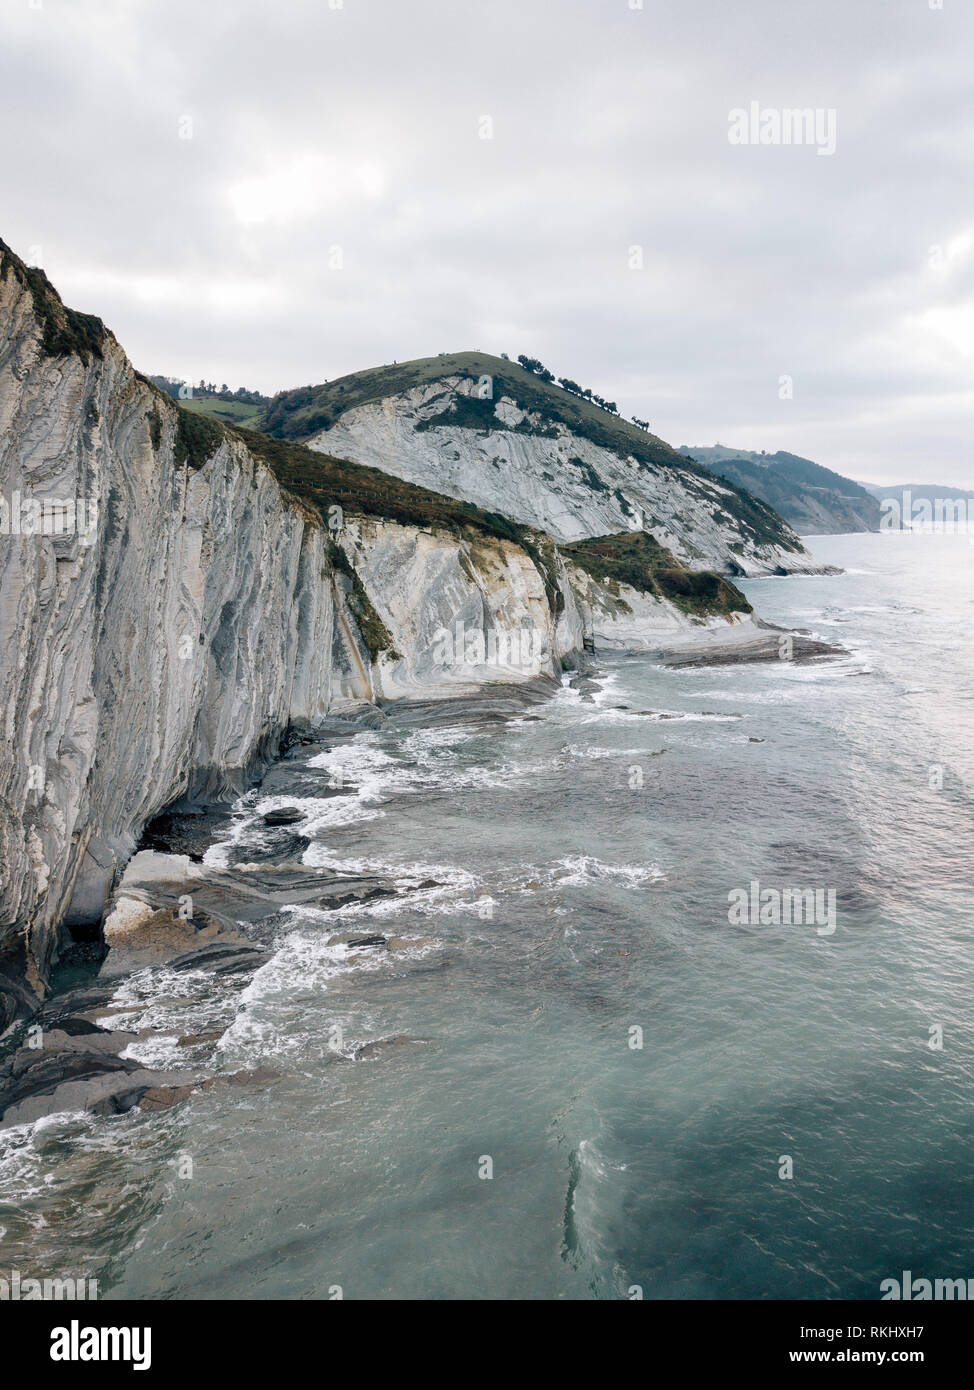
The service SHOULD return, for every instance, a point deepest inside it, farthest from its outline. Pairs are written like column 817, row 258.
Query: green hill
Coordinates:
column 302, row 413
column 811, row 498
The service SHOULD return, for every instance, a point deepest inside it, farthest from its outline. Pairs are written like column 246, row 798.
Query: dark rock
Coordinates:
column 82, row 954
column 79, row 1027
column 229, row 897
column 76, row 1071
column 804, row 650
column 223, row 958
column 197, row 1039
column 584, row 685
column 186, row 832
column 287, row 815
column 163, row 1097
column 77, row 1003
column 18, row 999
column 286, row 779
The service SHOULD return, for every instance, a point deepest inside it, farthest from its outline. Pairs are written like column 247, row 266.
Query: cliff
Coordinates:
column 485, row 429
column 176, row 594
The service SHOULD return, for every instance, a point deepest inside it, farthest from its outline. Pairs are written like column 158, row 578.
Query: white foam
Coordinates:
column 580, row 869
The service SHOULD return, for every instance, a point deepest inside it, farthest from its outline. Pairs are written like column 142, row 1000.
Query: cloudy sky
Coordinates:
column 272, row 194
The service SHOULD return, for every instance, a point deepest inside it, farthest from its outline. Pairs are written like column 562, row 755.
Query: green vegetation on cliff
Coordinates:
column 375, row 634
column 65, row 330
column 306, row 411
column 637, row 559
column 323, row 483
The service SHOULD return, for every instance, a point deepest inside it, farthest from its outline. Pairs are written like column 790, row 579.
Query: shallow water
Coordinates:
column 584, row 861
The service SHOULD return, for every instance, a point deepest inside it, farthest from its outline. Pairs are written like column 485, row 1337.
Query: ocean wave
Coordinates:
column 580, row 869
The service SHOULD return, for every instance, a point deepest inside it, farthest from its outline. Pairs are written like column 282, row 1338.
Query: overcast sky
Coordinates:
column 356, row 134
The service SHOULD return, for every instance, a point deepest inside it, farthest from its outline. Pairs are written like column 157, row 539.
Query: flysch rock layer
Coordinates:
column 162, row 654
column 554, row 479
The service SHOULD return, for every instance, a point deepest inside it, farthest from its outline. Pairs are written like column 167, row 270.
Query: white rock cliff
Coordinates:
column 551, row 477
column 181, row 608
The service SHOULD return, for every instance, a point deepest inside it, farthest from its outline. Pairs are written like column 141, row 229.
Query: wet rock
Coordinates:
column 584, row 685
column 761, row 648
column 223, row 958
column 405, row 943
column 356, row 943
column 164, row 1097
column 190, row 832
column 79, row 1004
column 79, row 1027
column 76, row 1071
column 285, row 779
column 197, row 1039
column 252, row 892
column 503, row 701
column 286, row 815
column 428, row 883
column 356, row 717
column 279, row 845
column 140, row 936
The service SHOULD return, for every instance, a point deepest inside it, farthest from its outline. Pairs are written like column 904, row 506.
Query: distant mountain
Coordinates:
column 919, row 491
column 812, row 499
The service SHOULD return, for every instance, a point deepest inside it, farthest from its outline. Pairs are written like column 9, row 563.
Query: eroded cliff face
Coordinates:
column 459, row 613
column 544, row 474
column 158, row 642
column 173, row 599
column 618, row 617
column 159, row 653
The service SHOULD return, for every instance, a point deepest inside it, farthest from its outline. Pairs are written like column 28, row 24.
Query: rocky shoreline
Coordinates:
column 173, row 909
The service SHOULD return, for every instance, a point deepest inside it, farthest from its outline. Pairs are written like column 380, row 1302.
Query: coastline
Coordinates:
column 192, row 899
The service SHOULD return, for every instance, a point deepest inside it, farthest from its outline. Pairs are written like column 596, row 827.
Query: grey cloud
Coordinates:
column 358, row 126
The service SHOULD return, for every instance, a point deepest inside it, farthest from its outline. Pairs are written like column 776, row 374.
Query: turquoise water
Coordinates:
column 583, row 865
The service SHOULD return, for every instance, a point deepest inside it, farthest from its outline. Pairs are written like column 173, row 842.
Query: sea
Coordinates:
column 593, row 1071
